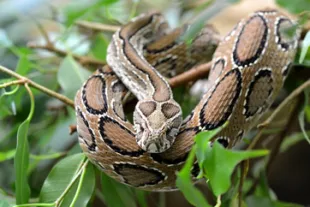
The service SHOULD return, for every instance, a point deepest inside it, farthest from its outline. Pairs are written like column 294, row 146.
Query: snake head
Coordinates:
column 157, row 124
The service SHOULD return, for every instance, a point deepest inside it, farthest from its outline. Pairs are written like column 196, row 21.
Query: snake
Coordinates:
column 249, row 67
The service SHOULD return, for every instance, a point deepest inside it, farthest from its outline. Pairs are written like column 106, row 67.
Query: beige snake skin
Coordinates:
column 249, row 68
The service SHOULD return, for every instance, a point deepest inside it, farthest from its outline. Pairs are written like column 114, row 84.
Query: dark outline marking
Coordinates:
column 159, row 159
column 158, row 174
column 284, row 45
column 286, row 69
column 84, row 99
column 261, row 73
column 109, row 142
column 93, row 146
column 209, row 126
column 261, row 47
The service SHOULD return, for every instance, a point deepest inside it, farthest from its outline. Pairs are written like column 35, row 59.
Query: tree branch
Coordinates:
column 292, row 96
column 84, row 60
column 45, row 90
column 97, row 26
column 191, row 75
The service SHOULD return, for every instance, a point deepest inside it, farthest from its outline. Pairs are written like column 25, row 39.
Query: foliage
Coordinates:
column 41, row 163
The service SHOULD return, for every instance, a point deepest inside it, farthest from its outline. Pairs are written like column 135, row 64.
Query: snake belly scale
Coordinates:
column 249, row 67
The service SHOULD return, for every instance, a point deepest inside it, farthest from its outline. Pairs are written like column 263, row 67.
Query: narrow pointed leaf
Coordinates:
column 185, row 184
column 71, row 76
column 220, row 164
column 116, row 194
column 301, row 116
column 60, row 177
column 21, row 160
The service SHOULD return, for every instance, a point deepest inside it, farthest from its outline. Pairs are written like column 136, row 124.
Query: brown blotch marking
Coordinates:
column 251, row 41
column 118, row 110
column 178, row 152
column 164, row 43
column 118, row 138
column 94, row 96
column 217, row 69
column 219, row 106
column 137, row 175
column 147, row 108
column 84, row 131
column 161, row 89
column 169, row 110
column 283, row 32
column 258, row 93
column 162, row 92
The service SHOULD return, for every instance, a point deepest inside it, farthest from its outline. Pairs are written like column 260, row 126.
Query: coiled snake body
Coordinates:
column 249, row 67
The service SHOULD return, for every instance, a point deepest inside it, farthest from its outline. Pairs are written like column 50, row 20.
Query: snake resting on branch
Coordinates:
column 249, row 67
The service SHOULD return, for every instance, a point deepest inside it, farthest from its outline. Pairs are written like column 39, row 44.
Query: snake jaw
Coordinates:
column 155, row 141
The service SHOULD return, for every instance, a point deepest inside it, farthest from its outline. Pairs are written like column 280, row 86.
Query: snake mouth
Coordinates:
column 153, row 147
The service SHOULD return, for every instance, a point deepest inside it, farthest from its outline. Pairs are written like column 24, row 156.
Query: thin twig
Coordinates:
column 97, row 26
column 15, row 82
column 244, row 170
column 267, row 122
column 292, row 96
column 49, row 92
column 43, row 31
column 84, row 60
column 191, row 75
column 276, row 146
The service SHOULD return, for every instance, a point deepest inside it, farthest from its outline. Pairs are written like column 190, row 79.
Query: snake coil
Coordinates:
column 249, row 67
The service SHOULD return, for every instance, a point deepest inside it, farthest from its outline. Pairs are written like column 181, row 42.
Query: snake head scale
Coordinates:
column 157, row 124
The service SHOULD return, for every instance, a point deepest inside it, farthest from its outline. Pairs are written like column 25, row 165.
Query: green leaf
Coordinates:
column 7, row 155
column 285, row 204
column 81, row 192
column 119, row 11
column 263, row 188
column 7, row 104
column 99, row 47
column 47, row 156
column 202, row 140
column 60, row 177
column 21, row 164
column 116, row 194
column 296, row 6
column 202, row 18
column 307, row 113
column 292, row 140
column 79, row 9
column 21, row 160
column 304, row 47
column 301, row 116
column 184, row 183
column 220, row 163
column 141, row 197
column 23, row 65
column 4, row 203
column 71, row 76
column 259, row 201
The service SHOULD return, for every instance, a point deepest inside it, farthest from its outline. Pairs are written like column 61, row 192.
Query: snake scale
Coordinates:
column 249, row 67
